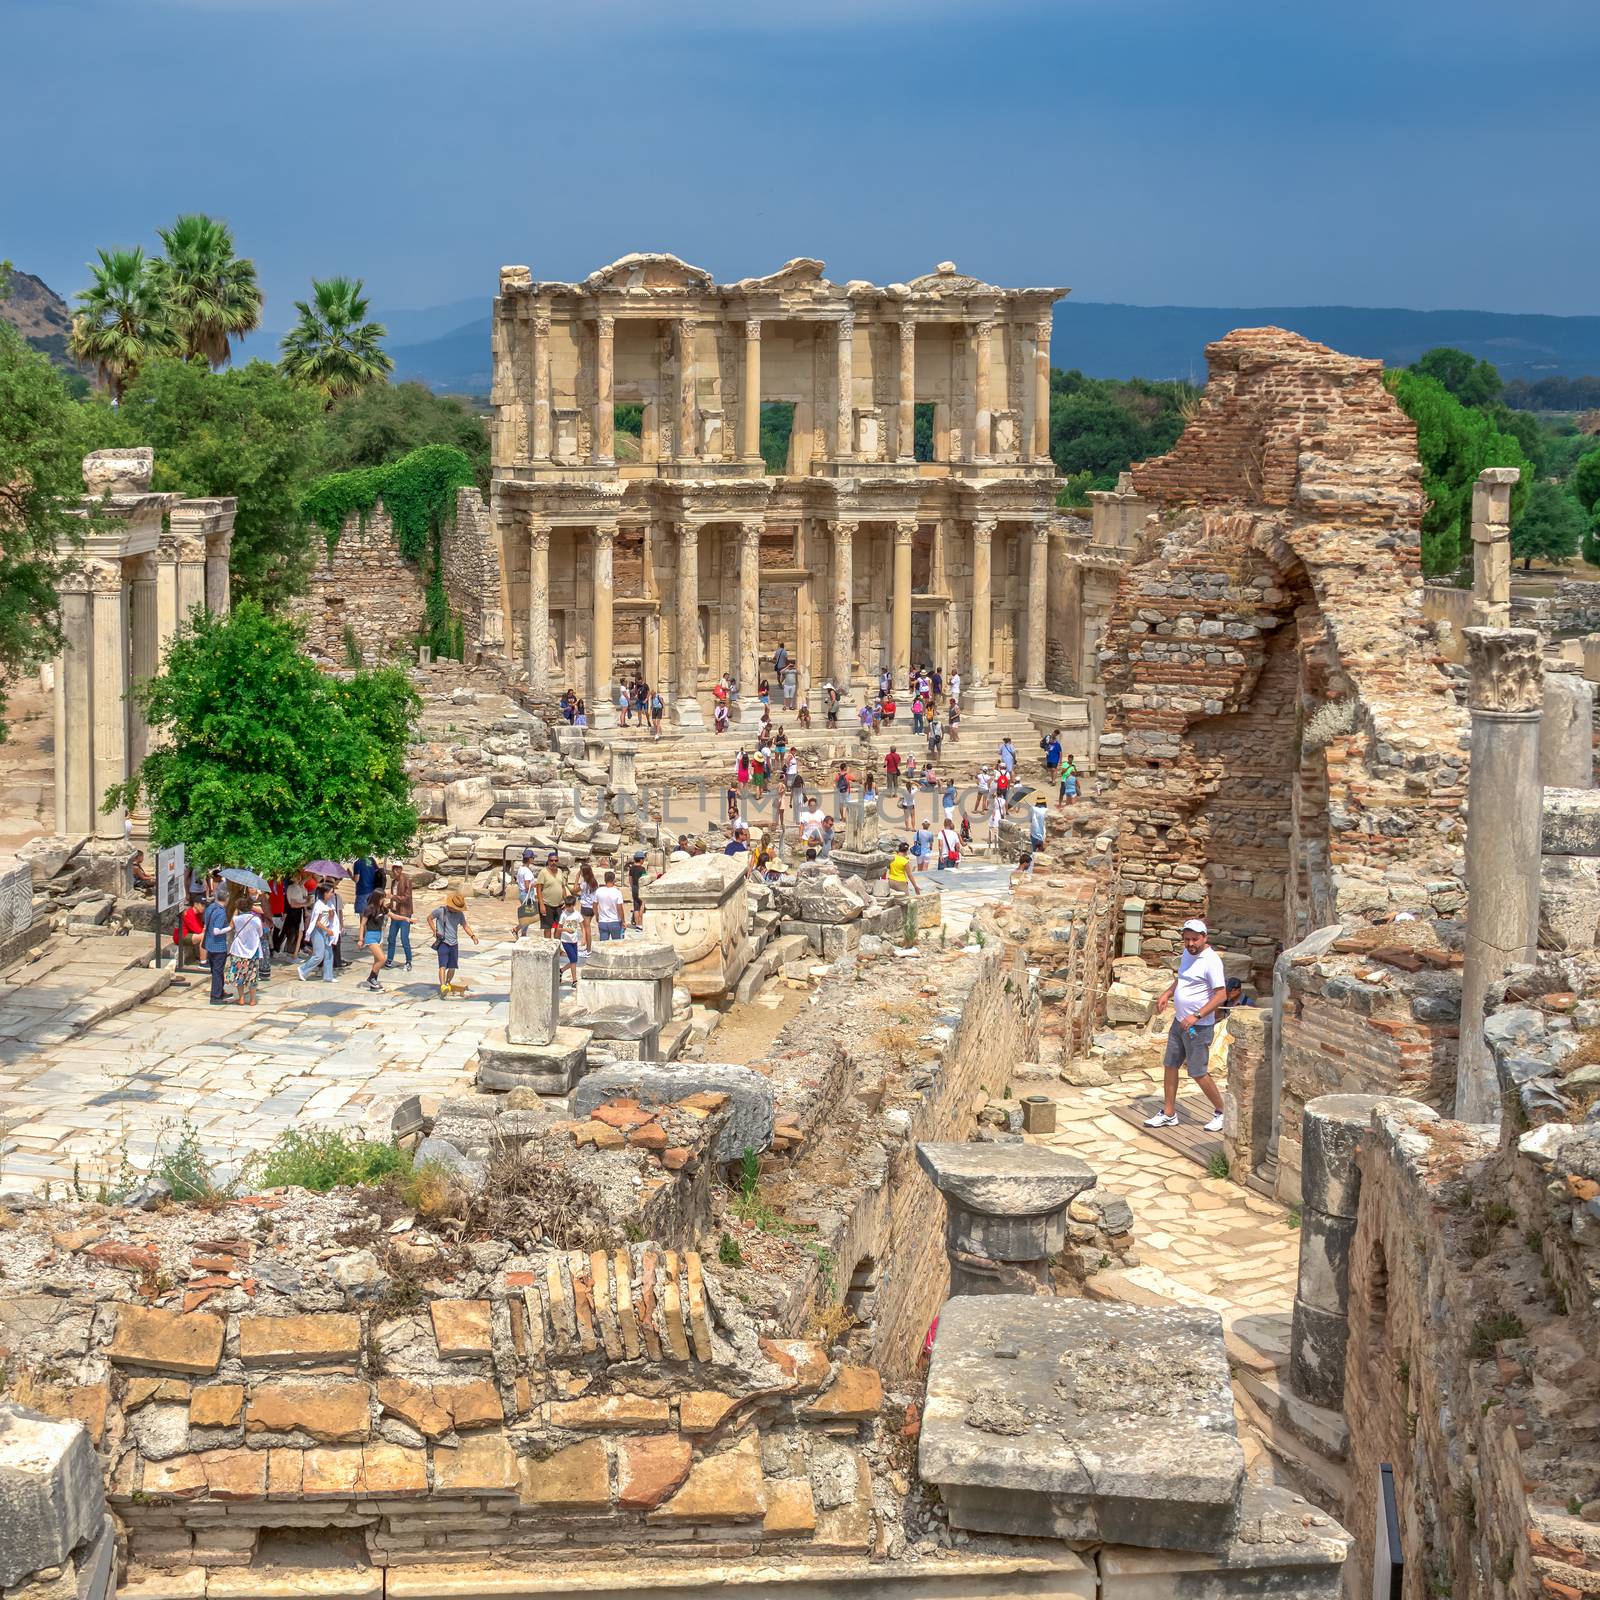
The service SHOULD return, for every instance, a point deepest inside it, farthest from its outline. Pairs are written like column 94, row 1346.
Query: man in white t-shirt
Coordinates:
column 1199, row 989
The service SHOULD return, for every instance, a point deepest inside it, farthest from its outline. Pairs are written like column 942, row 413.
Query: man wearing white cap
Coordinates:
column 1199, row 989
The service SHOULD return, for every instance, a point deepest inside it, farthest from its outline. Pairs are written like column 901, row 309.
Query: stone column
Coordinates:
column 980, row 693
column 605, row 410
column 686, row 710
column 750, row 439
column 191, row 576
column 109, row 652
column 143, row 625
column 74, row 709
column 905, row 533
column 601, row 710
column 687, row 426
column 535, row 1007
column 906, row 426
column 982, row 416
column 844, row 623
column 168, row 611
column 538, row 630
column 1005, row 1212
column 1330, row 1187
column 539, row 434
column 1038, row 604
column 845, row 421
column 1491, row 546
column 1566, row 732
column 1041, row 390
column 218, row 580
column 749, row 621
column 1504, row 804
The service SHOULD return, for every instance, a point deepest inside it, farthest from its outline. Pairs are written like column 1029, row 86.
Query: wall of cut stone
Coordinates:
column 470, row 568
column 365, row 584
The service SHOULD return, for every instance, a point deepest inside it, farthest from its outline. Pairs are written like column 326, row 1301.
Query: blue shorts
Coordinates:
column 610, row 930
column 569, row 948
column 449, row 957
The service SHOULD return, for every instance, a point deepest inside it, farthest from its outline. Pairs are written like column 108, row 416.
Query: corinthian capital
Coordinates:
column 1504, row 671
column 905, row 530
column 606, row 324
column 752, row 327
column 844, row 529
column 750, row 534
column 541, row 325
column 983, row 529
column 539, row 535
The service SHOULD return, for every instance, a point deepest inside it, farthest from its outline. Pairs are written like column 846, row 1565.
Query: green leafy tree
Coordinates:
column 248, row 432
column 386, row 421
column 1455, row 443
column 211, row 293
column 1551, row 527
column 267, row 763
column 1100, row 426
column 121, row 322
column 41, row 485
column 333, row 346
column 1584, row 482
column 1472, row 382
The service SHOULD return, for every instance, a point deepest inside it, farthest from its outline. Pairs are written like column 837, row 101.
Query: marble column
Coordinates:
column 905, row 533
column 845, row 422
column 1504, row 806
column 1041, row 390
column 1038, row 604
column 539, row 434
column 191, row 552
column 605, row 409
column 906, row 425
column 218, row 581
column 842, row 657
column 1491, row 546
column 750, row 621
column 538, row 629
column 980, row 693
column 74, row 708
column 109, row 653
column 601, row 711
column 169, row 611
column 982, row 416
column 750, row 435
column 686, row 710
column 686, row 428
column 144, row 627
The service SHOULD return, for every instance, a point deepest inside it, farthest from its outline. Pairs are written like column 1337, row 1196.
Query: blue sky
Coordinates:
column 1157, row 151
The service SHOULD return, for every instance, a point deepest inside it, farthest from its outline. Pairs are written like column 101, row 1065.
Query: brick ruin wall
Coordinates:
column 362, row 583
column 1280, row 745
column 1471, row 1364
column 469, row 560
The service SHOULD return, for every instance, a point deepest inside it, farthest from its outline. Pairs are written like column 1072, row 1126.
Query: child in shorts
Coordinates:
column 571, row 931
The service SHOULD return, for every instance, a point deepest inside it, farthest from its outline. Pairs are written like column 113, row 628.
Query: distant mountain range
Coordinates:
column 447, row 346
column 1105, row 340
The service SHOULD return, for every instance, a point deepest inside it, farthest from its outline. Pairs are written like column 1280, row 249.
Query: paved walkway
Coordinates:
column 67, row 986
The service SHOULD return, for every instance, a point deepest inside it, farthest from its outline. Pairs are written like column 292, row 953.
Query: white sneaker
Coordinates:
column 1215, row 1124
column 1162, row 1119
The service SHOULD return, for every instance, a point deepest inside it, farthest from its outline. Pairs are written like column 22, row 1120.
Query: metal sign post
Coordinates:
column 170, row 879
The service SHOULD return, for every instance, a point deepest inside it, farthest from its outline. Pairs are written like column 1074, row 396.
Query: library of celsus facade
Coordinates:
column 672, row 551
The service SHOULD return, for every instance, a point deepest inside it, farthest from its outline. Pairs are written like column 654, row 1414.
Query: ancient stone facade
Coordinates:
column 1282, row 747
column 693, row 560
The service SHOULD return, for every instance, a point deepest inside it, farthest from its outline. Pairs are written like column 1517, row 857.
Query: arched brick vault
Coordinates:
column 1281, row 742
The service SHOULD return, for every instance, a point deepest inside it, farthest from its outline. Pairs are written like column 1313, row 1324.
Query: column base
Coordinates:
column 750, row 713
column 686, row 713
column 978, row 701
column 602, row 714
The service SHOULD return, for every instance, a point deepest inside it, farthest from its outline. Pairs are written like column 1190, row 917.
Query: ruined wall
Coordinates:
column 470, row 568
column 365, row 584
column 1271, row 623
column 1471, row 1364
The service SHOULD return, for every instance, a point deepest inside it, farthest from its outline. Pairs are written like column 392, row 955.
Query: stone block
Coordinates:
column 167, row 1341
column 1332, row 1129
column 650, row 1469
column 1566, row 732
column 750, row 1097
column 722, row 1488
column 467, row 801
column 638, row 975
column 314, row 1339
column 1571, row 822
column 1130, row 1006
column 548, row 1069
column 1007, row 1202
column 535, row 991
column 575, row 1479
column 462, row 1328
column 1569, row 902
column 821, row 895
column 700, row 908
column 1070, row 1419
column 330, row 1412
column 51, row 1497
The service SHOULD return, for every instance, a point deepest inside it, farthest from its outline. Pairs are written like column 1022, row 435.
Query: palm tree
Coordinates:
column 212, row 294
column 121, row 320
column 333, row 347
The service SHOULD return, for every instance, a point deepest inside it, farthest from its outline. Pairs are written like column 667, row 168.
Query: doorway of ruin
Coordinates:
column 777, row 429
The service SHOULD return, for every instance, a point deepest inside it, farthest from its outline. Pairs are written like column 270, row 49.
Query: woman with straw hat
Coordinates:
column 448, row 923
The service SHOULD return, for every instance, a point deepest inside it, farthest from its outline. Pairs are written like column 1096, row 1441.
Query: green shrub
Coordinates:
column 184, row 1167
column 728, row 1252
column 321, row 1159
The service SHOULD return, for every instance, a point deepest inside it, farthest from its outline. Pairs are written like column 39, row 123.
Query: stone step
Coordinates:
column 1316, row 1427
column 1325, row 1483
column 784, row 949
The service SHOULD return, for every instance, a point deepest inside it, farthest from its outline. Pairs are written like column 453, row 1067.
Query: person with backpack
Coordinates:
column 448, row 922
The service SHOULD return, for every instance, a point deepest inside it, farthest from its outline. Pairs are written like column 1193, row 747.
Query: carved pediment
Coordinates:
column 944, row 279
column 648, row 271
column 803, row 273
